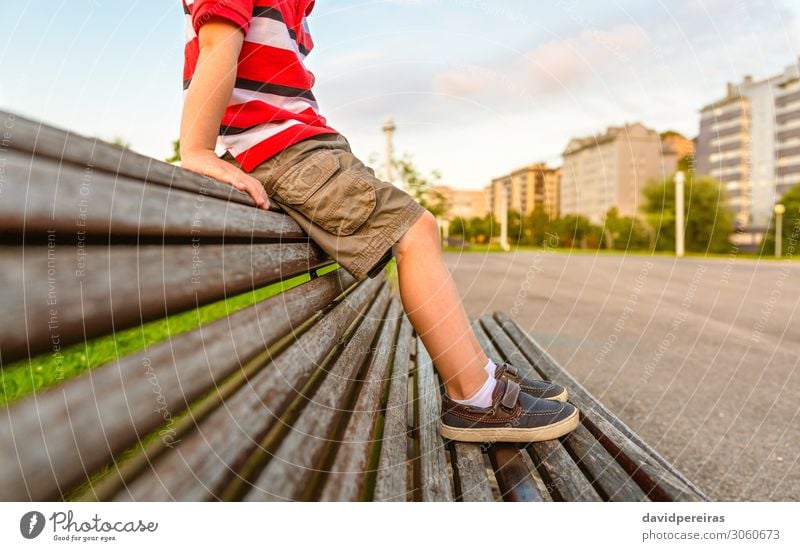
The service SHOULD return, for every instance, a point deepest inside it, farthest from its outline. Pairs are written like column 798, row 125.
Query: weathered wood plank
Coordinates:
column 471, row 482
column 434, row 477
column 204, row 462
column 132, row 394
column 47, row 196
column 391, row 480
column 657, row 482
column 294, row 466
column 653, row 471
column 613, row 482
column 348, row 472
column 61, row 294
column 42, row 141
column 562, row 474
column 513, row 474
column 541, row 486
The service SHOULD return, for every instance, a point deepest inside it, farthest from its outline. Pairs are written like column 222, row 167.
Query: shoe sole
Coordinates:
column 507, row 434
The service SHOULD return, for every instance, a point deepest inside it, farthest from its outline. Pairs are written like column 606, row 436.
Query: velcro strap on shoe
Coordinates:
column 510, row 369
column 510, row 395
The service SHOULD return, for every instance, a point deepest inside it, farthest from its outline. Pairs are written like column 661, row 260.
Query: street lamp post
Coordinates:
column 679, row 180
column 388, row 130
column 504, row 219
column 779, row 210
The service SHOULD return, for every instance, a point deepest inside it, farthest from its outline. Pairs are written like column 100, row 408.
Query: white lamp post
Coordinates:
column 679, row 180
column 504, row 219
column 388, row 130
column 779, row 210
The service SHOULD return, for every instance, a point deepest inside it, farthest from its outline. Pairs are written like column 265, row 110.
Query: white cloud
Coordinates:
column 550, row 67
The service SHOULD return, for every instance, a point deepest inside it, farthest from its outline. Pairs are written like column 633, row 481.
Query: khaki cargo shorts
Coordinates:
column 338, row 201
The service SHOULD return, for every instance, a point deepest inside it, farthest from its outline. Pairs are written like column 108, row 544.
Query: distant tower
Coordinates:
column 388, row 129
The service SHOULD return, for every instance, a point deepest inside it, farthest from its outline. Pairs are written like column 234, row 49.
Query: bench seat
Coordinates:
column 320, row 392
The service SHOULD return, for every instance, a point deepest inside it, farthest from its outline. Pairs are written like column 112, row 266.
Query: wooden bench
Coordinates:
column 321, row 392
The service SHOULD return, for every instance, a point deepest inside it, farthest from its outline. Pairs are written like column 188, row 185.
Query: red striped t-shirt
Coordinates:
column 272, row 106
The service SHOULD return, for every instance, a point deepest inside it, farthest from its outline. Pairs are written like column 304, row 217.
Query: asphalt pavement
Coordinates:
column 698, row 355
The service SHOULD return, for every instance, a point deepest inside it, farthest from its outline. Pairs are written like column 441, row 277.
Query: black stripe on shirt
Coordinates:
column 268, row 12
column 232, row 130
column 267, row 88
column 276, row 15
column 293, row 36
column 277, row 89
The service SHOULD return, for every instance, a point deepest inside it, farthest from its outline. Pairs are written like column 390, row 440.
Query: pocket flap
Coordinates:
column 300, row 182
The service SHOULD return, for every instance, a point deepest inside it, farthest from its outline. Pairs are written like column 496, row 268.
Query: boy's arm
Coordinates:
column 220, row 43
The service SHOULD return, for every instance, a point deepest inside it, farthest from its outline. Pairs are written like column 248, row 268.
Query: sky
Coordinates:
column 477, row 88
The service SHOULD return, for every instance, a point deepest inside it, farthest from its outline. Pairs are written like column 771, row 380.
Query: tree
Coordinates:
column 418, row 186
column 540, row 225
column 576, row 231
column 482, row 229
column 421, row 187
column 708, row 219
column 515, row 227
column 624, row 232
column 791, row 224
column 459, row 228
column 176, row 152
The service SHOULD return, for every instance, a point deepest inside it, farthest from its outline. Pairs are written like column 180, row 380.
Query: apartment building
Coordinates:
column 750, row 141
column 787, row 136
column 528, row 188
column 610, row 169
column 464, row 203
column 676, row 144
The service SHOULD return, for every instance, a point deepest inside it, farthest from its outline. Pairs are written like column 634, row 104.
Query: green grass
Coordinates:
column 21, row 378
column 495, row 248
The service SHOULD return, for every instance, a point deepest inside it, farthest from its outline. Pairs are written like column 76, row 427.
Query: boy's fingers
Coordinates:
column 254, row 188
column 239, row 179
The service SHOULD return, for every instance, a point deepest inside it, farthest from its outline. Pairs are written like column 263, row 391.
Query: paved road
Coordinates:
column 699, row 356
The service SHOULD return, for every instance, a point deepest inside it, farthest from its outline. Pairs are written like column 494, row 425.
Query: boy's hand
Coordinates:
column 207, row 163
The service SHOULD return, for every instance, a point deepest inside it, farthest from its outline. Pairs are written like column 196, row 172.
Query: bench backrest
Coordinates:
column 97, row 239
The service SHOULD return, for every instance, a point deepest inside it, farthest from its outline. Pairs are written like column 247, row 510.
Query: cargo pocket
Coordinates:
column 339, row 203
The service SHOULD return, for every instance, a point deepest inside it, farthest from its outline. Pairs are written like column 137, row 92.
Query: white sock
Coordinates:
column 490, row 367
column 483, row 396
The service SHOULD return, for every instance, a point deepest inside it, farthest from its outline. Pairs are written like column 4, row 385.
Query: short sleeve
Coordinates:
column 238, row 12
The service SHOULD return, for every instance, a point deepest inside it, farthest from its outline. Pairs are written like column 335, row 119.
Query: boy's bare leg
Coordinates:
column 434, row 308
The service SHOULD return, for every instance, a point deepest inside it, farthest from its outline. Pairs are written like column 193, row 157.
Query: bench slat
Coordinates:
column 513, row 474
column 657, row 478
column 180, row 369
column 47, row 196
column 391, row 480
column 294, row 466
column 658, row 484
column 203, row 463
column 541, row 486
column 469, row 472
column 563, row 475
column 347, row 475
column 606, row 473
column 43, row 141
column 434, row 478
column 117, row 287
